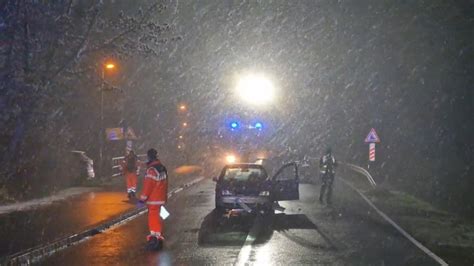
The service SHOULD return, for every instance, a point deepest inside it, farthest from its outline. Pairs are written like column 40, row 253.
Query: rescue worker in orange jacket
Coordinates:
column 155, row 194
column 129, row 168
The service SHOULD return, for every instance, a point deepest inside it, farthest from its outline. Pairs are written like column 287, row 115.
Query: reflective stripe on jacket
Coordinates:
column 155, row 187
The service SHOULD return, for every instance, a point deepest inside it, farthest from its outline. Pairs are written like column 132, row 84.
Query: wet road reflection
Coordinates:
column 25, row 229
column 307, row 233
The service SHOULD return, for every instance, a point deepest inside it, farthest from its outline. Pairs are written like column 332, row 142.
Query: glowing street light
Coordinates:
column 109, row 66
column 255, row 89
column 180, row 137
column 182, row 107
column 185, row 124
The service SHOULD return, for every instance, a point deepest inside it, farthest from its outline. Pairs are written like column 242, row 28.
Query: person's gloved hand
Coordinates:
column 140, row 204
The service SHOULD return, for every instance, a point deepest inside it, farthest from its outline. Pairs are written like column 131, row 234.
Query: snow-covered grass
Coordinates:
column 35, row 203
column 448, row 235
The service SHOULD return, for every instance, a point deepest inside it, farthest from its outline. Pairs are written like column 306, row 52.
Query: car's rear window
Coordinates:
column 244, row 174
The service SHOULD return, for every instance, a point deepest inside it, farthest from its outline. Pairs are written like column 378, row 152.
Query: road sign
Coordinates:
column 372, row 137
column 115, row 133
column 372, row 152
column 130, row 134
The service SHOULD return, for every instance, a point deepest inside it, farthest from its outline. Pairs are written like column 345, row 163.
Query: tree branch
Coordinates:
column 129, row 30
column 75, row 56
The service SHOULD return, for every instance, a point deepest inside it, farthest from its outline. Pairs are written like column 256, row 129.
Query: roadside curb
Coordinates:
column 35, row 254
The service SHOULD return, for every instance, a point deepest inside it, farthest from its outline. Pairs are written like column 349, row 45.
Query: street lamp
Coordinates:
column 109, row 66
column 182, row 107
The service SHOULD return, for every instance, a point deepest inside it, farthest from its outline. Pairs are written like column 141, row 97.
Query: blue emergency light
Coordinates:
column 258, row 126
column 234, row 125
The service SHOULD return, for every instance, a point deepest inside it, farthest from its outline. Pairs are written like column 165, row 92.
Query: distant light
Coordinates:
column 230, row 159
column 179, row 147
column 255, row 89
column 182, row 107
column 180, row 137
column 234, row 125
column 258, row 125
column 110, row 66
column 185, row 124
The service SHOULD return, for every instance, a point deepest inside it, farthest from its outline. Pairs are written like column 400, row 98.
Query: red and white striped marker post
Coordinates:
column 372, row 152
column 372, row 138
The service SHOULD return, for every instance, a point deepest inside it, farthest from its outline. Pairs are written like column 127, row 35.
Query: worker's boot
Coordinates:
column 154, row 242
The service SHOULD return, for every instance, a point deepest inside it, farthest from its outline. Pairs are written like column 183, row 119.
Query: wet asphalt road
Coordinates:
column 25, row 229
column 347, row 233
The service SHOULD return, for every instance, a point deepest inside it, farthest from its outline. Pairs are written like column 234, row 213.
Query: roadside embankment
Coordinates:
column 446, row 234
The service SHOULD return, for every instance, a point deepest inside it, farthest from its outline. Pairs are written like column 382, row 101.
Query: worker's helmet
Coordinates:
column 152, row 154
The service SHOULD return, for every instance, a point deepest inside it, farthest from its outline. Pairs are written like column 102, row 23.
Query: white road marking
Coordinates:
column 245, row 251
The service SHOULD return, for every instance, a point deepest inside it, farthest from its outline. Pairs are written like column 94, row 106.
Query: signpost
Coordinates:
column 372, row 152
column 372, row 138
column 119, row 133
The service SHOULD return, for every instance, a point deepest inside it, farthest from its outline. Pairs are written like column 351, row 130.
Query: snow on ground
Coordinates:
column 35, row 203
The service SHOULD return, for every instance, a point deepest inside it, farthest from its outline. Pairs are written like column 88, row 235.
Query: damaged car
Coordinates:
column 247, row 188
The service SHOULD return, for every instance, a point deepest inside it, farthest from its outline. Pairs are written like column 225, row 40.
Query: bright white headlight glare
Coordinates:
column 255, row 89
column 230, row 159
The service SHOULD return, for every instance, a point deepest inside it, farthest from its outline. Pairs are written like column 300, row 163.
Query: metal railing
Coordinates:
column 361, row 171
column 116, row 168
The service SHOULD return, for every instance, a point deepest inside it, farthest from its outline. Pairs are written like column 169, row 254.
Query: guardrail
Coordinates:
column 361, row 171
column 116, row 171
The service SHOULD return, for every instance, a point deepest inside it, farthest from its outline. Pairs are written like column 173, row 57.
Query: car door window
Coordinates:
column 287, row 172
column 285, row 183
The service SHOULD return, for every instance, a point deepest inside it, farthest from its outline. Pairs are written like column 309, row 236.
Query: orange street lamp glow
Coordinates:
column 182, row 107
column 185, row 124
column 109, row 66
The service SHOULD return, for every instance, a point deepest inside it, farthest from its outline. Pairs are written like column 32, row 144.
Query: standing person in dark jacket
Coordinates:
column 327, row 167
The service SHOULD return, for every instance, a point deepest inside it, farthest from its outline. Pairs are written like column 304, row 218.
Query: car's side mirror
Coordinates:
column 215, row 179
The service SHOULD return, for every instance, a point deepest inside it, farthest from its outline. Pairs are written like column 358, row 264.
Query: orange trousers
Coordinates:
column 154, row 220
column 131, row 180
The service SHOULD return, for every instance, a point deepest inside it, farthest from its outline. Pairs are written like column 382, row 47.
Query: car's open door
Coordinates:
column 285, row 183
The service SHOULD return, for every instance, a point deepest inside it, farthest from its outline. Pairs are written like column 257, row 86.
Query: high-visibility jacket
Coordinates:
column 155, row 187
column 327, row 164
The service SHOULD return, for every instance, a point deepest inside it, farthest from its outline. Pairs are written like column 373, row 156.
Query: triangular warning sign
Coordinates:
column 130, row 134
column 372, row 137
